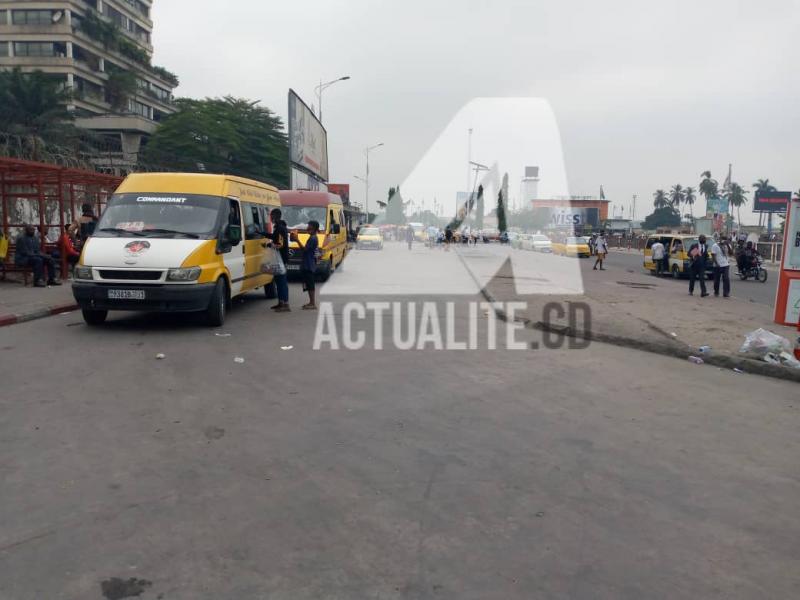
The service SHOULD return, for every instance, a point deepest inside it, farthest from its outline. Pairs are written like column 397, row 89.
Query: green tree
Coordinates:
column 479, row 209
column 737, row 197
column 501, row 212
column 689, row 198
column 662, row 217
column 660, row 199
column 676, row 197
column 763, row 185
column 121, row 85
column 222, row 135
column 708, row 186
column 34, row 104
column 395, row 207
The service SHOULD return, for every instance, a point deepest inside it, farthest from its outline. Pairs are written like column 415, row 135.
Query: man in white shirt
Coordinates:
column 658, row 256
column 721, row 252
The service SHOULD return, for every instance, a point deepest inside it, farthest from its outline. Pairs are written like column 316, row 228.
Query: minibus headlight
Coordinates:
column 82, row 272
column 190, row 274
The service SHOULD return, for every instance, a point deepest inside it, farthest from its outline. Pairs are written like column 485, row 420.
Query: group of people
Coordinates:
column 279, row 241
column 31, row 247
column 721, row 253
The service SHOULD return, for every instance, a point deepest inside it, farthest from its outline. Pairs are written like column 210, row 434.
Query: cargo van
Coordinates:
column 175, row 242
column 301, row 206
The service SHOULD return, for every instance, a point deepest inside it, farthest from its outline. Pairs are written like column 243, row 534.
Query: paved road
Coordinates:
column 586, row 474
column 761, row 293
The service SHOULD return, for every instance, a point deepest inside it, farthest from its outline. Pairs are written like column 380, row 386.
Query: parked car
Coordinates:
column 540, row 243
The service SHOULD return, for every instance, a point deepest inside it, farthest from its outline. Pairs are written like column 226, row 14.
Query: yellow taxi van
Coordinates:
column 176, row 242
column 301, row 206
column 572, row 246
column 677, row 249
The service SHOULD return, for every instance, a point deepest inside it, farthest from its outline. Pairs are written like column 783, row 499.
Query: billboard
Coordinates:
column 771, row 201
column 340, row 189
column 308, row 140
column 303, row 181
column 717, row 210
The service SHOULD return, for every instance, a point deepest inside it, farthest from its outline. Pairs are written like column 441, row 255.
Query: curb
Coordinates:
column 39, row 313
column 672, row 349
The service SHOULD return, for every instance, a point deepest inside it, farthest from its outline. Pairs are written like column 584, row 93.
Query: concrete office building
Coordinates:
column 102, row 49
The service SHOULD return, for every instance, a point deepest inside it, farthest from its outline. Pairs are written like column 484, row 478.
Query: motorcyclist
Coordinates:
column 748, row 257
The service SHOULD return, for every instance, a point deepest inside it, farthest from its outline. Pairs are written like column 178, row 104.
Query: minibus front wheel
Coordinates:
column 218, row 305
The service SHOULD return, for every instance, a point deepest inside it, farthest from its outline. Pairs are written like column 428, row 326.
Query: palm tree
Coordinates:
column 676, row 197
column 660, row 199
column 762, row 185
column 689, row 198
column 708, row 187
column 35, row 105
column 737, row 196
column 32, row 102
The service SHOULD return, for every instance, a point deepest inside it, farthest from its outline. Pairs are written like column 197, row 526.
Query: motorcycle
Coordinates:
column 755, row 270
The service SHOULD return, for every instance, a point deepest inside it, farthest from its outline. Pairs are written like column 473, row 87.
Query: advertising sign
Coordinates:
column 717, row 211
column 574, row 217
column 340, row 189
column 308, row 140
column 303, row 181
column 771, row 201
column 793, row 302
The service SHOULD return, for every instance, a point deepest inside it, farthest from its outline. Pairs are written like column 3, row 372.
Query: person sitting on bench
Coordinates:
column 28, row 253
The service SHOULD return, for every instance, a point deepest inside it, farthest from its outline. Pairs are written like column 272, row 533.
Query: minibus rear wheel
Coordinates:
column 94, row 317
column 217, row 306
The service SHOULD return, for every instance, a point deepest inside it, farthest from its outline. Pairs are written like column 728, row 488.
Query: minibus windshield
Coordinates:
column 297, row 217
column 161, row 215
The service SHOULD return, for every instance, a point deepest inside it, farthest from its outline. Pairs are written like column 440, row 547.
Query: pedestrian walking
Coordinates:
column 280, row 242
column 410, row 236
column 658, row 256
column 308, row 267
column 448, row 238
column 721, row 252
column 698, row 253
column 601, row 249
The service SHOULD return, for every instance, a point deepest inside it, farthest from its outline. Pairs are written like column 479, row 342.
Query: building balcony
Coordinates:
column 120, row 122
column 41, row 32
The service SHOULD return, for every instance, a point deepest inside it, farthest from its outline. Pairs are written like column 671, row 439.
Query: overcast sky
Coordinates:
column 647, row 94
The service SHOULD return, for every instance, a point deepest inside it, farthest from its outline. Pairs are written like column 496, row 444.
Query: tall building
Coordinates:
column 102, row 50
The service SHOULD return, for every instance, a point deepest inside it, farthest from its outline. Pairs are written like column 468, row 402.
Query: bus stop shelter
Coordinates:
column 47, row 196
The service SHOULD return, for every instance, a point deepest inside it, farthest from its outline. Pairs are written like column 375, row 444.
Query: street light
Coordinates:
column 324, row 86
column 367, row 150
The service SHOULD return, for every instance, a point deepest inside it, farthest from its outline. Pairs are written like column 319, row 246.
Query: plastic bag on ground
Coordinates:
column 761, row 342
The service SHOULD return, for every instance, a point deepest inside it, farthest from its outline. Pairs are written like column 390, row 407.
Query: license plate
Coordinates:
column 126, row 295
column 292, row 267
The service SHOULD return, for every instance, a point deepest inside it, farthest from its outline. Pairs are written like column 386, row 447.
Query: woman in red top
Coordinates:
column 67, row 246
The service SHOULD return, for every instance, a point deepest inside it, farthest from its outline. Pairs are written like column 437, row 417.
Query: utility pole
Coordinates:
column 366, row 196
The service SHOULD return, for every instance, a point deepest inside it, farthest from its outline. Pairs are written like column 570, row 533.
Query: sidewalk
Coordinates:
column 639, row 311
column 19, row 304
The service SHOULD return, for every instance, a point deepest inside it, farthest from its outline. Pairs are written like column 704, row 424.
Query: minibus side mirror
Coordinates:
column 336, row 229
column 233, row 234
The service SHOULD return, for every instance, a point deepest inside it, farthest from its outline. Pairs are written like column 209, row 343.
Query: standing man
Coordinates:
column 601, row 249
column 280, row 242
column 410, row 236
column 308, row 268
column 721, row 253
column 658, row 256
column 697, row 269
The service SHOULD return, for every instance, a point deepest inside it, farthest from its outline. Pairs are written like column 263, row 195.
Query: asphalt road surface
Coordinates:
column 754, row 291
column 600, row 473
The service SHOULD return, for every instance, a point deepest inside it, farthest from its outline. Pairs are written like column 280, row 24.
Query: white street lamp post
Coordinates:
column 324, row 86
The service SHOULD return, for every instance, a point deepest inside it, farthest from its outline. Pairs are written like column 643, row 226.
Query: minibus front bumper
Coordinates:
column 140, row 297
